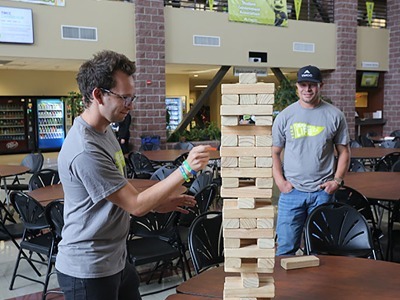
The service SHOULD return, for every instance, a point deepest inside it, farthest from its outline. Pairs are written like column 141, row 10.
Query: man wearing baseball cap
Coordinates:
column 309, row 130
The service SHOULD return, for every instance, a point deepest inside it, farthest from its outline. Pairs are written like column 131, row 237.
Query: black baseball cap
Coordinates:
column 309, row 73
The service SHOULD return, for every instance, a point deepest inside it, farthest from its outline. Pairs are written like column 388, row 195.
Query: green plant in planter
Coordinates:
column 74, row 103
column 209, row 132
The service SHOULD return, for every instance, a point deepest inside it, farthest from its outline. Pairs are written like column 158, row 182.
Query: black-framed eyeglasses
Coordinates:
column 127, row 99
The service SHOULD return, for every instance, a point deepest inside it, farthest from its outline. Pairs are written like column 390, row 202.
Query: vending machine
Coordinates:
column 16, row 125
column 50, row 124
column 175, row 108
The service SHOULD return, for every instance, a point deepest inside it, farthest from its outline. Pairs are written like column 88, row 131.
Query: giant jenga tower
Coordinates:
column 246, row 171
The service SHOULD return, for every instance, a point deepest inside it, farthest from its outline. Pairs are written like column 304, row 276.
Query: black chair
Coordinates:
column 37, row 238
column 202, row 180
column 338, row 229
column 357, row 200
column 141, row 165
column 43, row 178
column 163, row 172
column 390, row 144
column 365, row 141
column 206, row 245
column 180, row 159
column 33, row 161
column 386, row 163
column 153, row 238
column 396, row 166
column 9, row 228
column 356, row 166
column 355, row 144
column 55, row 216
column 395, row 133
column 184, row 146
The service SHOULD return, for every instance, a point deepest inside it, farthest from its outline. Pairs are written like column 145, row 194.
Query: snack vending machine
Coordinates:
column 16, row 125
column 175, row 108
column 50, row 124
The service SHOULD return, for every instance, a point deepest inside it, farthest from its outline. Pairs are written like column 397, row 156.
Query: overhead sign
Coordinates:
column 261, row 72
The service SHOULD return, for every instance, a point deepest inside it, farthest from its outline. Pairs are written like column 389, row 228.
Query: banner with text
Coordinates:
column 46, row 2
column 267, row 12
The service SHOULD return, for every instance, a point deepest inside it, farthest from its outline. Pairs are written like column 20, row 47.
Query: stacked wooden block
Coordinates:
column 246, row 171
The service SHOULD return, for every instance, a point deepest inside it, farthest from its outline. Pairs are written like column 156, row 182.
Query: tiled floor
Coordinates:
column 8, row 254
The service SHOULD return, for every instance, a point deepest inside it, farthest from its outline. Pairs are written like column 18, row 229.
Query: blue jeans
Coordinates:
column 121, row 286
column 293, row 209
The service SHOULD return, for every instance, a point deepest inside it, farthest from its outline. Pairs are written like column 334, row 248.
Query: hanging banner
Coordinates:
column 267, row 12
column 370, row 11
column 297, row 7
column 46, row 2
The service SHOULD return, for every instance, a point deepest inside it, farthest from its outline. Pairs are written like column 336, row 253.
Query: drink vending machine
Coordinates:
column 16, row 125
column 50, row 124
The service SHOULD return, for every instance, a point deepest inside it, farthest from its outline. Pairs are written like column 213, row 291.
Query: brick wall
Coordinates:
column 148, row 115
column 391, row 105
column 340, row 84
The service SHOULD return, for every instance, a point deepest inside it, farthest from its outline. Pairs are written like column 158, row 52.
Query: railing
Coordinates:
column 311, row 10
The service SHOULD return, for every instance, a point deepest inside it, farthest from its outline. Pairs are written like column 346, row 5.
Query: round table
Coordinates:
column 10, row 170
column 53, row 192
column 337, row 277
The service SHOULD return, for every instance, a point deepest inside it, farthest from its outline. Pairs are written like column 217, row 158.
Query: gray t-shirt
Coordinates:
column 309, row 137
column 91, row 167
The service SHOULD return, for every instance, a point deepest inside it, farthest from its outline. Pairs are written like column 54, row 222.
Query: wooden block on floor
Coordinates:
column 256, row 233
column 247, row 162
column 238, row 110
column 229, row 120
column 247, row 78
column 250, row 280
column 245, row 151
column 231, row 100
column 247, row 99
column 246, row 141
column 301, row 261
column 265, row 98
column 247, row 130
column 257, row 88
column 229, row 141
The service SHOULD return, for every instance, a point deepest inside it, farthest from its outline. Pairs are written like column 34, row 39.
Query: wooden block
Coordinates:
column 257, row 88
column 303, row 261
column 246, row 151
column 247, row 78
column 246, row 203
column 232, row 243
column 247, row 130
column 247, row 99
column 257, row 233
column 251, row 251
column 247, row 191
column 263, row 141
column 259, row 202
column 249, row 267
column 267, row 211
column 265, row 243
column 250, row 280
column 229, row 140
column 229, row 162
column 246, row 172
column 246, row 141
column 230, row 182
column 234, row 282
column 267, row 263
column 247, row 223
column 265, row 223
column 264, row 183
column 230, row 99
column 229, row 120
column 231, row 262
column 265, row 98
column 264, row 162
column 231, row 223
column 237, row 110
column 263, row 291
column 247, row 162
column 263, row 120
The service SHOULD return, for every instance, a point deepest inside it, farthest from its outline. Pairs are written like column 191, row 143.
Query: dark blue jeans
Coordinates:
column 121, row 286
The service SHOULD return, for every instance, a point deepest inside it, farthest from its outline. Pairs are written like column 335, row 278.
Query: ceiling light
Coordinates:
column 200, row 86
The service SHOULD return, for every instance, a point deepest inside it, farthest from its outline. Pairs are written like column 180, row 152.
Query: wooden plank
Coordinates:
column 264, row 162
column 230, row 99
column 248, row 223
column 263, row 140
column 229, row 140
column 257, row 233
column 231, row 243
column 247, row 78
column 246, row 172
column 246, row 141
column 257, row 88
column 247, row 162
column 265, row 290
column 265, row 243
column 247, row 130
column 263, row 120
column 237, row 110
column 264, row 183
column 229, row 162
column 249, row 267
column 247, row 191
column 259, row 203
column 265, row 222
column 267, row 211
column 301, row 261
column 229, row 120
column 230, row 182
column 250, row 280
column 246, row 151
column 231, row 223
column 232, row 262
column 265, row 98
column 246, row 203
column 266, row 263
column 247, row 99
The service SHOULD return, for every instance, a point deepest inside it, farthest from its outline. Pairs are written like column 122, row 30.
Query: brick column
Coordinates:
column 340, row 85
column 148, row 115
column 391, row 104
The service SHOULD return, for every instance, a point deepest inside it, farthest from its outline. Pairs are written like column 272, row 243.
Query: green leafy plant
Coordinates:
column 209, row 132
column 285, row 94
column 74, row 103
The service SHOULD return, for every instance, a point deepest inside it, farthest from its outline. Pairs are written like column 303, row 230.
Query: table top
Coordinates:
column 53, row 192
column 337, row 277
column 371, row 152
column 10, row 170
column 187, row 297
column 375, row 185
column 165, row 156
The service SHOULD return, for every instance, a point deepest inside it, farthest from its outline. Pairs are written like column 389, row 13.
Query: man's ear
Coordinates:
column 97, row 95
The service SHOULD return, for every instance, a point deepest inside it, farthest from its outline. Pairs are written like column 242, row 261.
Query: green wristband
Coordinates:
column 187, row 167
column 184, row 175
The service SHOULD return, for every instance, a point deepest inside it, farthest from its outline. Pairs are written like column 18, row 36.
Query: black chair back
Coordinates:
column 142, row 166
column 386, row 163
column 43, row 178
column 163, row 172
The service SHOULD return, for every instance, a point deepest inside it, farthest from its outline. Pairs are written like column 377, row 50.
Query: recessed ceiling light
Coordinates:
column 195, row 75
column 200, row 86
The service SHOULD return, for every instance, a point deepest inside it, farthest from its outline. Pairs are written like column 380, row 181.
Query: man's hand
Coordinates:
column 330, row 186
column 198, row 157
column 285, row 187
column 176, row 203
